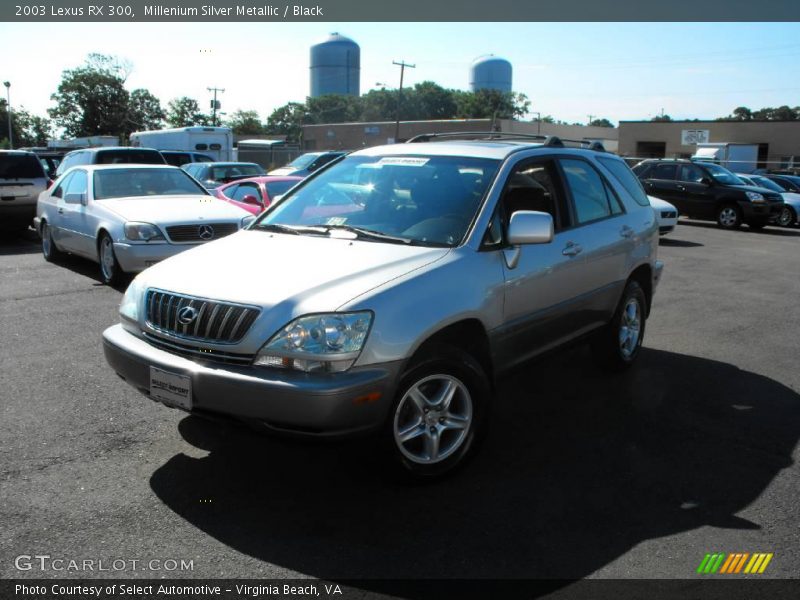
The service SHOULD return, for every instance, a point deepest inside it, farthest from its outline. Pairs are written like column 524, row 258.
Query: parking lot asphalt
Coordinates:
column 584, row 474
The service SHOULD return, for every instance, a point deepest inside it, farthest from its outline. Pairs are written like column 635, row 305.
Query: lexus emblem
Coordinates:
column 206, row 232
column 186, row 315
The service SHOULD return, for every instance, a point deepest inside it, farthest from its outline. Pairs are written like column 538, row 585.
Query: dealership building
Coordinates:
column 778, row 141
column 352, row 136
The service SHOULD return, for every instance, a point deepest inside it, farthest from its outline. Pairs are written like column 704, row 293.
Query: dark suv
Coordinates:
column 110, row 156
column 702, row 190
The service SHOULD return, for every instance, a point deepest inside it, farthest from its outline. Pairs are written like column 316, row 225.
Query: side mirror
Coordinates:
column 527, row 227
column 250, row 199
column 706, row 181
column 530, row 227
column 74, row 198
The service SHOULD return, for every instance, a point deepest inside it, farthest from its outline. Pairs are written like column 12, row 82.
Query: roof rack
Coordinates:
column 550, row 141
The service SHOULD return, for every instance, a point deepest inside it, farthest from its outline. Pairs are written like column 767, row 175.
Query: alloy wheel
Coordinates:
column 629, row 328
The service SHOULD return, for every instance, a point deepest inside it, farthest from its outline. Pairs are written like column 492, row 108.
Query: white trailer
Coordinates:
column 739, row 158
column 216, row 142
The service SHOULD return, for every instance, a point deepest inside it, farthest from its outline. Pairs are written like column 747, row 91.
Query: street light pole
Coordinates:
column 8, row 112
column 215, row 104
column 402, row 64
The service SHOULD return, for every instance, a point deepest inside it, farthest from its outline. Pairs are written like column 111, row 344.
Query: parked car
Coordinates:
column 254, row 194
column 789, row 183
column 214, row 174
column 129, row 217
column 791, row 201
column 22, row 179
column 666, row 214
column 703, row 190
column 399, row 313
column 305, row 164
column 178, row 158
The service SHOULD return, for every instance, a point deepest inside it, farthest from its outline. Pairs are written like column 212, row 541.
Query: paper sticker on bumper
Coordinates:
column 170, row 388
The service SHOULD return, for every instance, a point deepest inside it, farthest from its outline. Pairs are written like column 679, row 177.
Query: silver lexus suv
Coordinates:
column 389, row 291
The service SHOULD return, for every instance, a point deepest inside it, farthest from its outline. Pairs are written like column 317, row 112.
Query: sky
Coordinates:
column 619, row 71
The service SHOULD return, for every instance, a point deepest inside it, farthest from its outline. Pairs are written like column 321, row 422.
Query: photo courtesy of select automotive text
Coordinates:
column 362, row 300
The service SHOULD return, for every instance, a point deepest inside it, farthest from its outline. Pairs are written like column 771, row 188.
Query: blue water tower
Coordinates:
column 335, row 67
column 490, row 72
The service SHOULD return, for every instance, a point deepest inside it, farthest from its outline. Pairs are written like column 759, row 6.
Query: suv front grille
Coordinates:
column 200, row 232
column 190, row 351
column 208, row 321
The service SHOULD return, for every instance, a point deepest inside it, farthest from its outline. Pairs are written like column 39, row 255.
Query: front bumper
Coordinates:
column 303, row 403
column 761, row 211
column 134, row 258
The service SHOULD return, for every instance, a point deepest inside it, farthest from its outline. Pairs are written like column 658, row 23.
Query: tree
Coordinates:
column 185, row 112
column 245, row 122
column 601, row 123
column 333, row 108
column 288, row 120
column 144, row 112
column 92, row 99
column 487, row 104
column 378, row 105
column 428, row 100
column 661, row 119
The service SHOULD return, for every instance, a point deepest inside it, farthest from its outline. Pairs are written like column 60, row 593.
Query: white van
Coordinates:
column 216, row 142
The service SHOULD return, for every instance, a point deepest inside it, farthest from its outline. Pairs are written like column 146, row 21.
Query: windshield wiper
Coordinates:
column 293, row 229
column 369, row 234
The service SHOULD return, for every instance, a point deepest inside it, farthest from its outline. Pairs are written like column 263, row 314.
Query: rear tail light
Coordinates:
column 50, row 183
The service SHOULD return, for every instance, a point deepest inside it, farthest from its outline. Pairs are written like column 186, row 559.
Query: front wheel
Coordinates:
column 439, row 412
column 110, row 271
column 617, row 345
column 729, row 216
column 787, row 217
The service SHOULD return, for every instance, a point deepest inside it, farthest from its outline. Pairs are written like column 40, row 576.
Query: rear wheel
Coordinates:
column 50, row 251
column 729, row 216
column 110, row 271
column 439, row 412
column 617, row 345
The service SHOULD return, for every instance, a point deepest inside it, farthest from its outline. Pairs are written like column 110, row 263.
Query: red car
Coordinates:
column 254, row 194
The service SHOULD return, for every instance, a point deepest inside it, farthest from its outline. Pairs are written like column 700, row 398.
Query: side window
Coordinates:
column 230, row 192
column 59, row 191
column 77, row 183
column 662, row 171
column 690, row 173
column 246, row 189
column 591, row 197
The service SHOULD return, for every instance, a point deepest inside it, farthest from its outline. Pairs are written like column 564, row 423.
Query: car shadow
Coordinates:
column 769, row 230
column 19, row 242
column 676, row 243
column 579, row 467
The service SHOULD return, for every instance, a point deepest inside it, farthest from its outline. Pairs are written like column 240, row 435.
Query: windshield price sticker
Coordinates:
column 403, row 161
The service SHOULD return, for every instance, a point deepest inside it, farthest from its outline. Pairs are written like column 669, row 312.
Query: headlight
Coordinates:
column 755, row 197
column 142, row 232
column 328, row 342
column 129, row 307
column 247, row 220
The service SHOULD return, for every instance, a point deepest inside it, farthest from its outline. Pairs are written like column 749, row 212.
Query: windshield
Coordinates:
column 723, row 175
column 124, row 183
column 302, row 161
column 234, row 171
column 20, row 166
column 429, row 200
column 766, row 183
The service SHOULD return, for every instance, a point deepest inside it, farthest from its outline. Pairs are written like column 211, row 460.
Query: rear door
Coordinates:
column 660, row 182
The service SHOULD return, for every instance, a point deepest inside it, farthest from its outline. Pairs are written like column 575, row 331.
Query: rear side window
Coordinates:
column 662, row 171
column 145, row 157
column 626, row 178
column 690, row 173
column 591, row 197
column 20, row 166
column 176, row 159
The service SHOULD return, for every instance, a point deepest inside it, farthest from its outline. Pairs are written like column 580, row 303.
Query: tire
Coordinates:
column 110, row 271
column 430, row 432
column 50, row 251
column 618, row 344
column 787, row 217
column 729, row 216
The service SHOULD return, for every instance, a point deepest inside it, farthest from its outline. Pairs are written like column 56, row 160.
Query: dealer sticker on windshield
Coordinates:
column 171, row 389
column 403, row 161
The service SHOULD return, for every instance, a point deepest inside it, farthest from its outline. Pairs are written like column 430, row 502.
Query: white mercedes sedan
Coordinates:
column 129, row 217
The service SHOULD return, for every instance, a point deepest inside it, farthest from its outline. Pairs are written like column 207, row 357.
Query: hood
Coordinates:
column 173, row 209
column 304, row 273
column 759, row 190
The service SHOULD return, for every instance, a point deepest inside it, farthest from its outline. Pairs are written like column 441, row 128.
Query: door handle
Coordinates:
column 61, row 211
column 572, row 249
column 626, row 232
column 681, row 188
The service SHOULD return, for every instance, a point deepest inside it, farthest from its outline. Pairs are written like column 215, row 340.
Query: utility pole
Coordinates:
column 591, row 118
column 402, row 64
column 215, row 106
column 8, row 112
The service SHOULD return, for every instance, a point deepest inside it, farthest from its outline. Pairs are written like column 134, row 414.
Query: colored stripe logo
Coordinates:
column 736, row 562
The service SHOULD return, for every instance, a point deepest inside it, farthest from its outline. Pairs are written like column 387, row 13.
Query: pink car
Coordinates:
column 254, row 194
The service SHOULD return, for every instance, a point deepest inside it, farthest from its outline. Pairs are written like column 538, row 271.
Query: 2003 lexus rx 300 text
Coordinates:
column 402, row 282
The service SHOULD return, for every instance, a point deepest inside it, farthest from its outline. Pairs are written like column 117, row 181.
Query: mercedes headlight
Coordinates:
column 247, row 220
column 142, row 232
column 129, row 307
column 755, row 197
column 328, row 342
